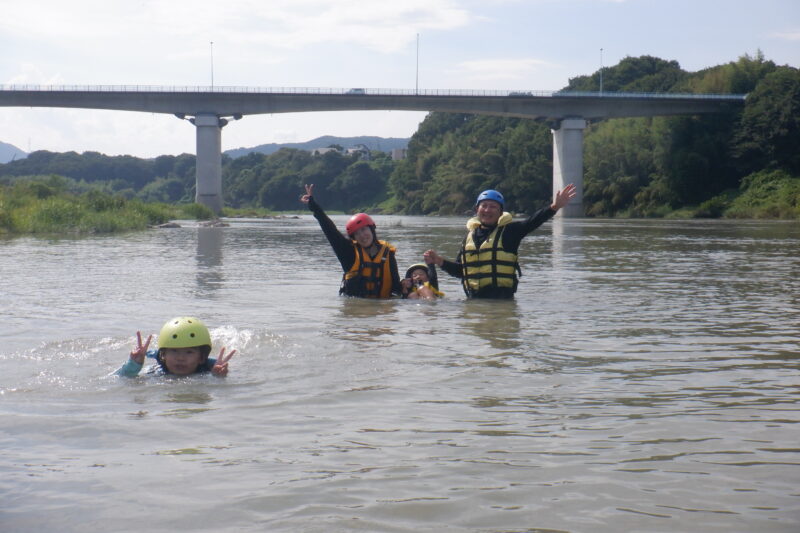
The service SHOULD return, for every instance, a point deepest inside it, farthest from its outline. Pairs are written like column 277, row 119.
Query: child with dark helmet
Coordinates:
column 421, row 282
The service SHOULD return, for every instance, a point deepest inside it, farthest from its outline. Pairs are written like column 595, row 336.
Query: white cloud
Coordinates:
column 792, row 35
column 30, row 74
column 465, row 44
column 158, row 42
column 381, row 26
column 499, row 69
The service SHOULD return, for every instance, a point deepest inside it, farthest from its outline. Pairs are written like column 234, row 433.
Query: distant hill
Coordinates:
column 9, row 152
column 383, row 144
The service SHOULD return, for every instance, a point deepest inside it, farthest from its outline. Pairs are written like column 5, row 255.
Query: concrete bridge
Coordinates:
column 210, row 108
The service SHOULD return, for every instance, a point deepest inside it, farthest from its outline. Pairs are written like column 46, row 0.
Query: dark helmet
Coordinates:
column 359, row 221
column 433, row 278
column 412, row 268
column 491, row 194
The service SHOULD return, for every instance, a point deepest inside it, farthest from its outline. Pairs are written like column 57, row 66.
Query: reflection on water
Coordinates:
column 645, row 379
column 355, row 320
column 210, row 241
column 493, row 321
column 188, row 397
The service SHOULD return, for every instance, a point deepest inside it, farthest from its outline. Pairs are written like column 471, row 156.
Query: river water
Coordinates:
column 646, row 378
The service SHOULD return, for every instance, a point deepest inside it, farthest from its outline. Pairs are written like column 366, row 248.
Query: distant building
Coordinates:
column 399, row 153
column 320, row 151
column 361, row 150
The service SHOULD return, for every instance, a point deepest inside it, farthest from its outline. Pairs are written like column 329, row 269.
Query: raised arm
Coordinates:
column 451, row 267
column 563, row 197
column 134, row 364
column 342, row 246
column 308, row 195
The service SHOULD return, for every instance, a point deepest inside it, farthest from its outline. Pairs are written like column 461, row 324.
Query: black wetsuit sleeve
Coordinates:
column 397, row 288
column 342, row 246
column 453, row 268
column 516, row 231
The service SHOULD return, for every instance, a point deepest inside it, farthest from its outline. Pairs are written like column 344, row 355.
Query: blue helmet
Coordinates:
column 491, row 194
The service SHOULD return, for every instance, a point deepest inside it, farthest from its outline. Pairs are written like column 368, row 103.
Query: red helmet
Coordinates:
column 357, row 222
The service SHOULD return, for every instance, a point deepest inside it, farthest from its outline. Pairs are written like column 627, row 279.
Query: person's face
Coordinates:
column 419, row 276
column 182, row 361
column 363, row 236
column 489, row 212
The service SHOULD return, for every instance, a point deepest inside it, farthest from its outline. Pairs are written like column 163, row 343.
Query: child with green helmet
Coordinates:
column 184, row 345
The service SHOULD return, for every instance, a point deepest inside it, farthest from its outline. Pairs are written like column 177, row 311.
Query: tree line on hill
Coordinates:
column 633, row 166
column 744, row 162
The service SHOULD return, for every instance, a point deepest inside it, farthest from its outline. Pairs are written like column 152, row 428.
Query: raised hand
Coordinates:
column 140, row 351
column 564, row 196
column 309, row 193
column 220, row 368
column 433, row 258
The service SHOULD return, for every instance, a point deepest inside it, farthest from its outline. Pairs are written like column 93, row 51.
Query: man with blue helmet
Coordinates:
column 487, row 263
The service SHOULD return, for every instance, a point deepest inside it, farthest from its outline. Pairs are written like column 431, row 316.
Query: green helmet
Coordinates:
column 184, row 332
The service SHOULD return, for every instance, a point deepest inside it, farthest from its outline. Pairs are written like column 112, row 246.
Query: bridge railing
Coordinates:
column 356, row 91
column 606, row 94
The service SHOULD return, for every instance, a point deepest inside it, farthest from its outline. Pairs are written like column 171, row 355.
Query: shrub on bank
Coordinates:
column 715, row 207
column 767, row 194
column 38, row 207
column 197, row 211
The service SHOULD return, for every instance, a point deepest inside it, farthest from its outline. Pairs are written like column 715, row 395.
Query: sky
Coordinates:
column 387, row 44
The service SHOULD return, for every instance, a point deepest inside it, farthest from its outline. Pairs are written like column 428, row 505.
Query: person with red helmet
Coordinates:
column 369, row 264
column 487, row 263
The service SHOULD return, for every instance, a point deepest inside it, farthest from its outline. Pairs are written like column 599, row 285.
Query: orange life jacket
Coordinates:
column 369, row 277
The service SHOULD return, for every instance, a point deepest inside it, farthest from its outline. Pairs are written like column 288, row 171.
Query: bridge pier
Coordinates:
column 208, row 167
column 568, row 163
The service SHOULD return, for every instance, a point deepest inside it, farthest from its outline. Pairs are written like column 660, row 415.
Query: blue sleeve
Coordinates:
column 210, row 362
column 130, row 369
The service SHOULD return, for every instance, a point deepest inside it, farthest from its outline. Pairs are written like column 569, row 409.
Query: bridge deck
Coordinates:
column 240, row 101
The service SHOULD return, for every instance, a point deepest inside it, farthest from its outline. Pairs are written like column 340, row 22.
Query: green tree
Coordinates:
column 632, row 74
column 769, row 134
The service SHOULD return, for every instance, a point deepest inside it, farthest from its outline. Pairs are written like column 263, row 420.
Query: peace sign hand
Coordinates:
column 220, row 368
column 141, row 349
column 309, row 193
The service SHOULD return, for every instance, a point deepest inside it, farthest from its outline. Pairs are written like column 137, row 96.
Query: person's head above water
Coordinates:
column 489, row 207
column 183, row 345
column 418, row 273
column 361, row 228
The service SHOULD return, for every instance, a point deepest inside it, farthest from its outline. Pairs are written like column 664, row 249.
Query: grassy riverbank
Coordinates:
column 42, row 207
column 47, row 205
column 765, row 194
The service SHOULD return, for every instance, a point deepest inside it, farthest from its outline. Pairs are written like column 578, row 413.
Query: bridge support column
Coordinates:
column 568, row 163
column 208, row 169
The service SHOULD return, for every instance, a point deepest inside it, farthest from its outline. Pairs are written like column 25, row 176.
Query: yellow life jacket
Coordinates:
column 488, row 265
column 369, row 277
column 433, row 289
